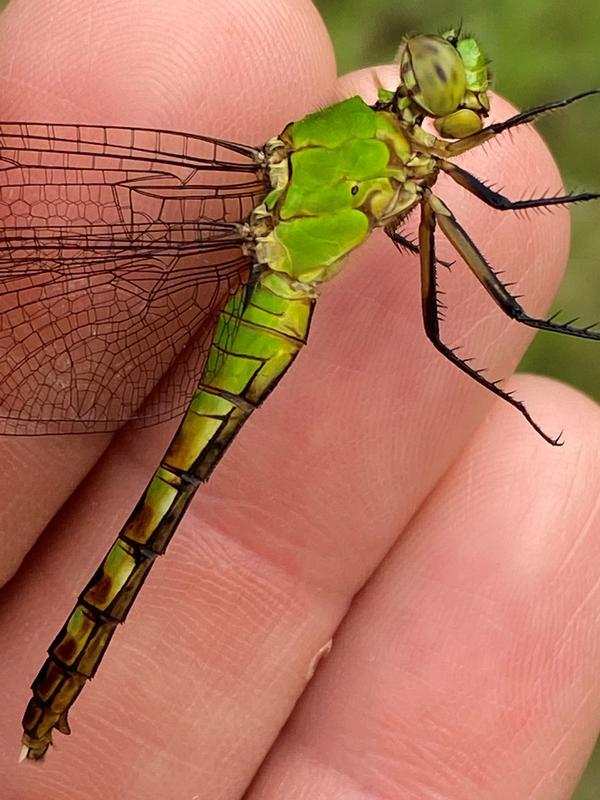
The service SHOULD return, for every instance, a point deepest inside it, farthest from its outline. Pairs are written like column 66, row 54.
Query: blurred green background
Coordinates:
column 540, row 51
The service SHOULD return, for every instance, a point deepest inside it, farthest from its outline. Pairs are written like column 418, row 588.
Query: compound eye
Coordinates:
column 433, row 73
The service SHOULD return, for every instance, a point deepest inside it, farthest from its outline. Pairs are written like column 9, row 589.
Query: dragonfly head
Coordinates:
column 446, row 77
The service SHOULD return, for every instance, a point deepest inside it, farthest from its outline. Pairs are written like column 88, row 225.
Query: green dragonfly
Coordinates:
column 202, row 260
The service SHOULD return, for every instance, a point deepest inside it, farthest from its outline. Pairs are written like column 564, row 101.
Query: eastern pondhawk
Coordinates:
column 202, row 260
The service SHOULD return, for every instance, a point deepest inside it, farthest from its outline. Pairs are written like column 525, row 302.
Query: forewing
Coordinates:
column 118, row 248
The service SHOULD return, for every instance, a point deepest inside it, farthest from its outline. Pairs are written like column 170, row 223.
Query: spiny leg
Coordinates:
column 459, row 146
column 429, row 298
column 476, row 262
column 403, row 244
column 502, row 203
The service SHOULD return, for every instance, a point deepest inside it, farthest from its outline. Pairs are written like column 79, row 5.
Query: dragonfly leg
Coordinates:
column 431, row 315
column 484, row 273
column 403, row 244
column 253, row 279
column 502, row 203
column 459, row 146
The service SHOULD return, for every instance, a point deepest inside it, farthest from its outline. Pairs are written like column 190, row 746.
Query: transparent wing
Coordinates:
column 118, row 248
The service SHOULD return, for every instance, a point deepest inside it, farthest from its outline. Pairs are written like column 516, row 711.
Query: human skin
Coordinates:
column 467, row 665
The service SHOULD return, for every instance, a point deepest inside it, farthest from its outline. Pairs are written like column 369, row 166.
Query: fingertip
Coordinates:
column 230, row 69
column 557, row 407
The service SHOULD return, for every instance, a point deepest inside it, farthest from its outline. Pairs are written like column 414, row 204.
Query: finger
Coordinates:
column 468, row 666
column 170, row 67
column 213, row 67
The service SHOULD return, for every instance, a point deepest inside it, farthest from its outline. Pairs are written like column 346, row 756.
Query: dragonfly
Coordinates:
column 149, row 274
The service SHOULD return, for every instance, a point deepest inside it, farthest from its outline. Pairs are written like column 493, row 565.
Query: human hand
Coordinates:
column 467, row 665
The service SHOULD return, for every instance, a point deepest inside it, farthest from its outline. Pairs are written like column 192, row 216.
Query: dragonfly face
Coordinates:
column 445, row 78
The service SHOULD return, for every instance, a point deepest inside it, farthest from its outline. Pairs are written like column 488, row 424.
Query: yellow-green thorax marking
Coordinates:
column 343, row 171
column 338, row 174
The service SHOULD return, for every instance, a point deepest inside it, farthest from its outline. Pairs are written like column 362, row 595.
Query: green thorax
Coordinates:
column 337, row 174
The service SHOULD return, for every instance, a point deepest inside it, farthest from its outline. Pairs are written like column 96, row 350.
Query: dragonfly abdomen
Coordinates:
column 253, row 345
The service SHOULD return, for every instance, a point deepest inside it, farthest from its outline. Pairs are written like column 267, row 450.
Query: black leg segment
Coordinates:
column 502, row 203
column 403, row 244
column 429, row 299
column 463, row 244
